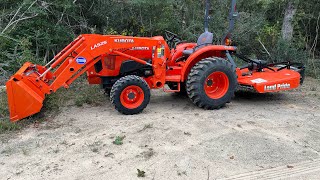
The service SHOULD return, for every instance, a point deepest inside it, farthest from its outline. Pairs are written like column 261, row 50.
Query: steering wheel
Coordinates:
column 172, row 39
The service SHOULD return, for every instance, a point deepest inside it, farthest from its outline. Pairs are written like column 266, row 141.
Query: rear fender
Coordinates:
column 205, row 52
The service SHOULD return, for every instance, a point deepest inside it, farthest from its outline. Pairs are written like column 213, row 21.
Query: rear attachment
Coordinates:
column 263, row 77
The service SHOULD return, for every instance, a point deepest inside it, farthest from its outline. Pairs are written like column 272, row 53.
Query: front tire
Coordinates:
column 130, row 95
column 212, row 83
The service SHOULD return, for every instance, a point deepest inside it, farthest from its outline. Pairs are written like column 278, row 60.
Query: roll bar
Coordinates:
column 232, row 18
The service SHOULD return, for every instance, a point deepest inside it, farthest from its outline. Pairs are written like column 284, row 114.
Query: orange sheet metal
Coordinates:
column 24, row 97
column 270, row 81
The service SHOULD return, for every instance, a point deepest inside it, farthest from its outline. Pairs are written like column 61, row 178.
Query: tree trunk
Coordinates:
column 287, row 28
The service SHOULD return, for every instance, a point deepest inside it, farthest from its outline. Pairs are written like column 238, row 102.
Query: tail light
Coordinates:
column 228, row 42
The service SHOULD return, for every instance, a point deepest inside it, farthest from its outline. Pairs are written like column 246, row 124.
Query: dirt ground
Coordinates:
column 271, row 136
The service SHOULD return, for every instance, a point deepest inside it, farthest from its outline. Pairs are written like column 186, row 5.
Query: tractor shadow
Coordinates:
column 170, row 100
column 175, row 100
column 251, row 96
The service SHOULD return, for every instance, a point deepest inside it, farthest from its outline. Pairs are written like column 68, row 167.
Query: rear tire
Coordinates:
column 130, row 95
column 212, row 83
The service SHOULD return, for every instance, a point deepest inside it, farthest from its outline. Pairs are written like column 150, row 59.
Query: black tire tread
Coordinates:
column 120, row 85
column 197, row 72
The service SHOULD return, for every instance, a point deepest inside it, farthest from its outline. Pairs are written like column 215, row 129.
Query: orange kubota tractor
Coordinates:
column 128, row 67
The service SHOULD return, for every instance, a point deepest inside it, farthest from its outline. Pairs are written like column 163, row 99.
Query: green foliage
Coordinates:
column 119, row 140
column 141, row 173
column 37, row 30
column 6, row 125
column 84, row 94
column 284, row 51
column 4, row 113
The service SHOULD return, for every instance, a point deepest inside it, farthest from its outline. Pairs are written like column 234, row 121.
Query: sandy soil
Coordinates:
column 273, row 136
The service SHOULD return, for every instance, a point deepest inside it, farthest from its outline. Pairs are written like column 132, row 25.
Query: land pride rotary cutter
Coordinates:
column 128, row 67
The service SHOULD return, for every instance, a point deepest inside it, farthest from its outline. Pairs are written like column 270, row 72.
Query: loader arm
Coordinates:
column 87, row 50
column 28, row 87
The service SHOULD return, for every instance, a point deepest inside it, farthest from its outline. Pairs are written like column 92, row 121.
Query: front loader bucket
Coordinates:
column 25, row 99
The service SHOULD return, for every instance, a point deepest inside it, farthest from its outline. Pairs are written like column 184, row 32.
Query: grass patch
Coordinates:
column 79, row 93
column 6, row 125
column 119, row 140
column 141, row 173
column 91, row 96
column 4, row 113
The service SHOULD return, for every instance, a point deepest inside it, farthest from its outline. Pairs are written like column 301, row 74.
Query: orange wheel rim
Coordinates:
column 132, row 97
column 216, row 85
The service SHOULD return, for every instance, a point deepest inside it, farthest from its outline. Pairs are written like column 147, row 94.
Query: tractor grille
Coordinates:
column 110, row 62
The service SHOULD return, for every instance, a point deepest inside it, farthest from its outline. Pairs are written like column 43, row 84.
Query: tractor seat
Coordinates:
column 204, row 39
